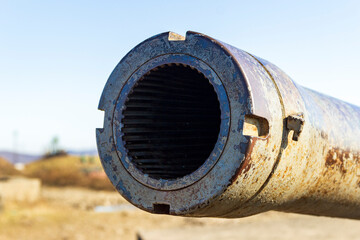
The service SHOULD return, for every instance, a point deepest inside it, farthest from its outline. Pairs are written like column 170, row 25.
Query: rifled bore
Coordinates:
column 171, row 121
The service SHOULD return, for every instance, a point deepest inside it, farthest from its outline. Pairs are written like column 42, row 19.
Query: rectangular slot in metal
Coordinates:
column 255, row 126
column 161, row 208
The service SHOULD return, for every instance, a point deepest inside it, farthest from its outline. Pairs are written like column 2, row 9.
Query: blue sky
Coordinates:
column 55, row 56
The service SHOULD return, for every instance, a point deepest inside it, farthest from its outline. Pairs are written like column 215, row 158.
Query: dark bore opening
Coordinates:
column 171, row 121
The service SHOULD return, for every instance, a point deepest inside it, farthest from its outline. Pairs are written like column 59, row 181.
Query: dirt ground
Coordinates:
column 68, row 214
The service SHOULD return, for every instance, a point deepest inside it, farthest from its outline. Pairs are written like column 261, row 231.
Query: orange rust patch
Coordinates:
column 335, row 159
column 246, row 165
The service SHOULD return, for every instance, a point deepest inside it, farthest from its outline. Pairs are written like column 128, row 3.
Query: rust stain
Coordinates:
column 335, row 159
column 318, row 174
column 246, row 165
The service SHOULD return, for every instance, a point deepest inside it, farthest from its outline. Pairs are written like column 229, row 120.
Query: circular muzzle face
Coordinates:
column 172, row 140
column 171, row 122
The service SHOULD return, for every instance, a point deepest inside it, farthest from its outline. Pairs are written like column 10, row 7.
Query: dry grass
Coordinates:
column 70, row 171
column 60, row 215
column 7, row 169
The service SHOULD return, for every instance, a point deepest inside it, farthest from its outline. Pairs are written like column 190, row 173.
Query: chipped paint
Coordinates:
column 305, row 159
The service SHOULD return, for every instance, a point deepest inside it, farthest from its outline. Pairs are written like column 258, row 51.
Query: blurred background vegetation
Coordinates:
column 7, row 169
column 67, row 170
column 58, row 168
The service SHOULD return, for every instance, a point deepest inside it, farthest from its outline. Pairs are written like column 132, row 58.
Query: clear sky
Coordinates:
column 55, row 56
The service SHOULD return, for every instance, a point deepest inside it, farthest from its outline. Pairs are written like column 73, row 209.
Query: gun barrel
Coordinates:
column 196, row 127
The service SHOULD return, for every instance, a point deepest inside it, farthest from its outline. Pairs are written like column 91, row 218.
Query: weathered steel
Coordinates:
column 277, row 145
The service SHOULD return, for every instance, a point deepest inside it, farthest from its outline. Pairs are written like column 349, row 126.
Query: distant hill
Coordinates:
column 18, row 157
column 91, row 152
column 28, row 158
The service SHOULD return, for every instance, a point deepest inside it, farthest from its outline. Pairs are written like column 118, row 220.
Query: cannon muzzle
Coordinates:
column 196, row 127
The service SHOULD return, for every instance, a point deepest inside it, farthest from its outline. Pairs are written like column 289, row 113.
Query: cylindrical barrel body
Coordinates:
column 196, row 127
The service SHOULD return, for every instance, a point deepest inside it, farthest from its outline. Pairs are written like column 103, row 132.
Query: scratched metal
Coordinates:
column 314, row 170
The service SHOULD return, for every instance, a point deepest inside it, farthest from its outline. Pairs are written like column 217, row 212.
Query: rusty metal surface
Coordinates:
column 280, row 146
